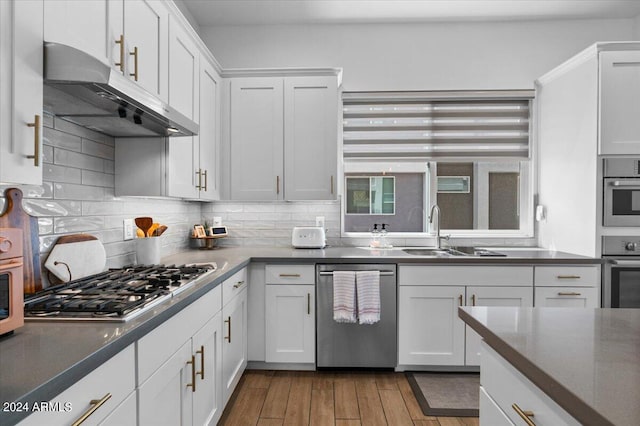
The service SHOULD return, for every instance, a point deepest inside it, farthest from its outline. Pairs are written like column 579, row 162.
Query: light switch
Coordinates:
column 128, row 229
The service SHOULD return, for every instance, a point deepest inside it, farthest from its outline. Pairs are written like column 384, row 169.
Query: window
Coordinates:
column 468, row 152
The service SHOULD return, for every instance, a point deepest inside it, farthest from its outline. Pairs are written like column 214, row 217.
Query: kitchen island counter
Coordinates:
column 586, row 360
column 43, row 359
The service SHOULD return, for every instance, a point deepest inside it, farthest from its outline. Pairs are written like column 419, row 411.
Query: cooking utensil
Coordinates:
column 15, row 217
column 151, row 231
column 144, row 223
column 160, row 230
column 76, row 256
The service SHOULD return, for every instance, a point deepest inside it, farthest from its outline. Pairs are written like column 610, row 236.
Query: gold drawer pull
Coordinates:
column 205, row 181
column 308, row 303
column 228, row 322
column 192, row 385
column 568, row 293
column 199, row 185
column 331, row 184
column 36, row 140
column 134, row 74
column 473, row 300
column 526, row 415
column 290, row 275
column 238, row 284
column 120, row 64
column 460, row 300
column 201, row 372
column 568, row 277
column 95, row 404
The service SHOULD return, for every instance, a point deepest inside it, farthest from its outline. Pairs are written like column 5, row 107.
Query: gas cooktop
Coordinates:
column 114, row 295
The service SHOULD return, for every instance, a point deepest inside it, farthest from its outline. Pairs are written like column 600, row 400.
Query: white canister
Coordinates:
column 148, row 251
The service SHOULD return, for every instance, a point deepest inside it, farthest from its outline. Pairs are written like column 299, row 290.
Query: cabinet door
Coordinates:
column 209, row 153
column 490, row 413
column 90, row 26
column 21, row 59
column 492, row 296
column 310, row 137
column 256, row 139
column 567, row 297
column 184, row 70
column 290, row 323
column 145, row 29
column 181, row 167
column 234, row 343
column 124, row 414
column 429, row 330
column 619, row 102
column 207, row 400
column 165, row 398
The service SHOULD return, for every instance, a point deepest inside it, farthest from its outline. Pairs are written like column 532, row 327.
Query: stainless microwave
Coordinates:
column 621, row 203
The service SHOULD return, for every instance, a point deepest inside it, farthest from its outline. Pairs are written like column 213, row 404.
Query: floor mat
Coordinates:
column 446, row 394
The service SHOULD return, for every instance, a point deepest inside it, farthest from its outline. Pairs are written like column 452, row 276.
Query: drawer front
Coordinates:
column 507, row 387
column 465, row 275
column 290, row 274
column 567, row 297
column 114, row 377
column 490, row 413
column 157, row 346
column 574, row 276
column 231, row 287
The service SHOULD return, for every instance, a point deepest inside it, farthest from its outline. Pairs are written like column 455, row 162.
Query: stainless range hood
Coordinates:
column 81, row 89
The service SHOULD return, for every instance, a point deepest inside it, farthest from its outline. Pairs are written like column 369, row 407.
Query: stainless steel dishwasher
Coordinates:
column 353, row 345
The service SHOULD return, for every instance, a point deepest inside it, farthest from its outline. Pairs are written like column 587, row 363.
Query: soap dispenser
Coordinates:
column 384, row 243
column 375, row 237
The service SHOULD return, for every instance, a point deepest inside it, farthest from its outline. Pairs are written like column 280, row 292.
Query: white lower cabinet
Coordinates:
column 567, row 297
column 290, row 323
column 234, row 342
column 104, row 389
column 429, row 330
column 567, row 286
column 507, row 389
column 207, row 399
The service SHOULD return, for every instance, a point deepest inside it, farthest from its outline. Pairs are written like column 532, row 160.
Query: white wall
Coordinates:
column 636, row 28
column 433, row 56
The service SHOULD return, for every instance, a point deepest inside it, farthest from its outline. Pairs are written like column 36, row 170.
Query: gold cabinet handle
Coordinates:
column 199, row 185
column 201, row 352
column 331, row 184
column 308, row 303
column 134, row 74
column 36, row 140
column 205, row 181
column 525, row 415
column 290, row 275
column 277, row 184
column 238, row 284
column 192, row 385
column 228, row 322
column 120, row 64
column 460, row 300
column 94, row 405
column 568, row 293
column 473, row 300
column 568, row 277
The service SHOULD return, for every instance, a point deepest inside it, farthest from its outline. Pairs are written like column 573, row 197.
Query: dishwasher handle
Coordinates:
column 383, row 272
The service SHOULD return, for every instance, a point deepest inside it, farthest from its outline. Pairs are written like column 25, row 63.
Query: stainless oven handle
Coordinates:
column 625, row 262
column 330, row 273
column 630, row 183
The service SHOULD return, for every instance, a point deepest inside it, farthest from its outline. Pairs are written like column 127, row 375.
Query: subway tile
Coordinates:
column 47, row 120
column 109, row 235
column 46, row 243
column 109, row 166
column 259, row 208
column 118, row 247
column 74, row 159
column 98, row 149
column 78, row 224
column 254, row 224
column 30, row 191
column 47, row 154
column 98, row 179
column 45, row 225
column 44, row 207
column 58, row 139
column 102, row 207
column 224, row 207
column 121, row 260
column 83, row 132
column 54, row 173
column 71, row 191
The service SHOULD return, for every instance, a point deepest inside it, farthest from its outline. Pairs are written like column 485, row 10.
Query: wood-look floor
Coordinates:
column 328, row 398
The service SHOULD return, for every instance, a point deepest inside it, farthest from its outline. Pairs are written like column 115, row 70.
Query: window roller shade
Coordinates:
column 428, row 125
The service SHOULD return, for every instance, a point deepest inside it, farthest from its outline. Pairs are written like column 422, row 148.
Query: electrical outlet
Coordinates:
column 217, row 221
column 320, row 221
column 128, row 229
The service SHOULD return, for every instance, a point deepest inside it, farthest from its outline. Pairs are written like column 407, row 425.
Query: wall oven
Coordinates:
column 11, row 280
column 621, row 283
column 621, row 192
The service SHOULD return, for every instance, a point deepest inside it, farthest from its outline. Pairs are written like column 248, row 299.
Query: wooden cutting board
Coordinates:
column 15, row 217
column 76, row 256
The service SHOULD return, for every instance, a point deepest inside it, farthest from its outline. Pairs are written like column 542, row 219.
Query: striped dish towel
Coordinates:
column 368, row 285
column 344, row 296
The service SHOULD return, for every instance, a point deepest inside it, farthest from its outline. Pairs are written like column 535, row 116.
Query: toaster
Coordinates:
column 308, row 237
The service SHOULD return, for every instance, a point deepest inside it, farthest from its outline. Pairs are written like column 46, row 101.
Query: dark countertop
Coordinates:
column 587, row 360
column 42, row 359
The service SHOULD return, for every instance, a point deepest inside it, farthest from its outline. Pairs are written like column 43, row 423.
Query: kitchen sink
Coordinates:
column 453, row 251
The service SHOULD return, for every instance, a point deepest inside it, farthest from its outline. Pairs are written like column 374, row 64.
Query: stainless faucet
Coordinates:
column 435, row 209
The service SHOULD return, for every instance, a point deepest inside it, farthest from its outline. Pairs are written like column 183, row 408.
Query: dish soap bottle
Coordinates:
column 384, row 243
column 375, row 237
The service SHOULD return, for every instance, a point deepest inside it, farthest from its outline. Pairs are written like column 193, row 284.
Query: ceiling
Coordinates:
column 273, row 12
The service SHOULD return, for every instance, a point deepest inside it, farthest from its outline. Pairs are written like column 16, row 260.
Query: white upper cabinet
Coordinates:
column 92, row 26
column 145, row 38
column 21, row 60
column 283, row 137
column 256, row 139
column 619, row 102
column 208, row 154
column 310, row 138
column 184, row 58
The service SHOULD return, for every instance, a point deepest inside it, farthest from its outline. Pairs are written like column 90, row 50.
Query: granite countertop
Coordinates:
column 37, row 363
column 587, row 360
